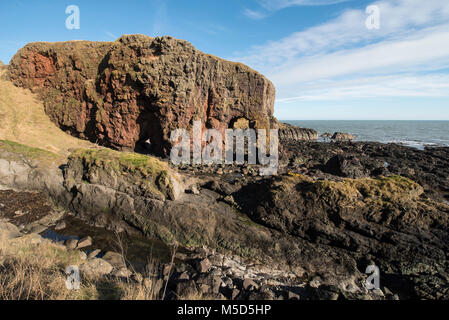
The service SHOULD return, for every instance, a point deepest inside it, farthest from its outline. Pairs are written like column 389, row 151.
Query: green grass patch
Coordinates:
column 122, row 161
column 26, row 152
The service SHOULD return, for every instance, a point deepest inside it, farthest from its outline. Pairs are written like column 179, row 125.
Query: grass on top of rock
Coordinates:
column 16, row 150
column 381, row 189
column 386, row 189
column 122, row 161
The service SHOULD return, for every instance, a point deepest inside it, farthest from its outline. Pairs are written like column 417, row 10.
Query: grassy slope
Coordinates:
column 23, row 120
column 25, row 275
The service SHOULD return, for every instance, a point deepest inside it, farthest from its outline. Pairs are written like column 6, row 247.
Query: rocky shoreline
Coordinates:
column 313, row 243
column 310, row 232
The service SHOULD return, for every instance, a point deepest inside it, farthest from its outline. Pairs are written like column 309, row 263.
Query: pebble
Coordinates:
column 203, row 266
column 60, row 226
column 249, row 285
column 19, row 213
column 85, row 242
column 93, row 254
column 38, row 229
column 71, row 244
column 235, row 293
column 83, row 256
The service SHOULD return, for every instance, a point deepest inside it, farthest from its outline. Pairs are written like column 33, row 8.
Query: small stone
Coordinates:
column 93, row 254
column 186, row 289
column 60, row 225
column 19, row 213
column 95, row 268
column 181, row 256
column 85, row 242
column 227, row 282
column 8, row 231
column 71, row 244
column 38, row 229
column 204, row 288
column 234, row 293
column 249, row 285
column 203, row 266
column 115, row 259
column 122, row 273
column 184, row 276
column 315, row 283
column 378, row 292
column 83, row 255
column 193, row 189
column 387, row 291
column 293, row 296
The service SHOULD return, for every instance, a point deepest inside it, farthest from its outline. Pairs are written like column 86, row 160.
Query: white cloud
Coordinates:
column 111, row 35
column 408, row 85
column 270, row 6
column 281, row 4
column 413, row 37
column 254, row 14
column 428, row 50
column 398, row 19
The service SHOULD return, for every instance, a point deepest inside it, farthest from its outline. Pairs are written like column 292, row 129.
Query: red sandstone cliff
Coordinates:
column 124, row 92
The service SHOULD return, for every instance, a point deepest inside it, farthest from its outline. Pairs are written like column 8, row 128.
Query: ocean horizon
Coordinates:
column 413, row 133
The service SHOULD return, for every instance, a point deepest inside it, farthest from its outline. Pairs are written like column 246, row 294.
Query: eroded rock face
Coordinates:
column 290, row 132
column 384, row 221
column 138, row 88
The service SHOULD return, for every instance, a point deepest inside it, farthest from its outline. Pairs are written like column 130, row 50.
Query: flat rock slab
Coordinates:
column 115, row 259
column 95, row 268
column 8, row 231
column 71, row 244
column 84, row 243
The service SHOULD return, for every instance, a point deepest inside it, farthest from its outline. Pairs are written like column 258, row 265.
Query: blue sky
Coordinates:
column 324, row 61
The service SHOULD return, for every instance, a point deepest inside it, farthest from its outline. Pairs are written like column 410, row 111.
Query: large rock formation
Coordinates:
column 137, row 88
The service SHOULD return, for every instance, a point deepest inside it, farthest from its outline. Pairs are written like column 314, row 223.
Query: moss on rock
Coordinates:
column 123, row 171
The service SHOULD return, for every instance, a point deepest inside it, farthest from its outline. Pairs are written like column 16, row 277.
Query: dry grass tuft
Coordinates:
column 35, row 270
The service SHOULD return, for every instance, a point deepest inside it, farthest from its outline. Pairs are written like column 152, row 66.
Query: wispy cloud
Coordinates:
column 111, row 35
column 254, row 14
column 267, row 7
column 413, row 39
column 281, row 4
column 406, row 85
